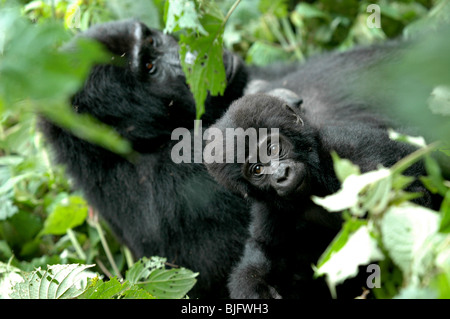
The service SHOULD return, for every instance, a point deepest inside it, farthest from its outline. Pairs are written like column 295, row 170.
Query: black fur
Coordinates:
column 154, row 206
column 288, row 231
column 157, row 207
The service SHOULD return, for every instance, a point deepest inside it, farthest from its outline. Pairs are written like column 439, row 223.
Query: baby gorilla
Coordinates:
column 288, row 231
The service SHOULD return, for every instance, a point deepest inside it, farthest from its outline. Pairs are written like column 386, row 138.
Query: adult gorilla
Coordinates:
column 154, row 206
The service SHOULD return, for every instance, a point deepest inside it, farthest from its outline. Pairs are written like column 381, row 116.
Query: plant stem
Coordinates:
column 128, row 256
column 107, row 250
column 233, row 7
column 76, row 244
column 291, row 38
column 409, row 160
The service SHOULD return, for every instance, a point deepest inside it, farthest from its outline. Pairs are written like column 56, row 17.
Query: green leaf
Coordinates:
column 182, row 14
column 444, row 226
column 349, row 227
column 400, row 182
column 69, row 213
column 348, row 196
column 170, row 284
column 201, row 56
column 412, row 292
column 405, row 230
column 418, row 141
column 207, row 72
column 263, row 54
column 308, row 11
column 137, row 293
column 44, row 81
column 86, row 127
column 344, row 167
column 7, row 209
column 356, row 249
column 142, row 268
column 434, row 181
column 99, row 289
column 9, row 277
column 57, row 282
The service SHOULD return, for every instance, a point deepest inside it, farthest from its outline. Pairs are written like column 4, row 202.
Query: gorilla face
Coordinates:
column 143, row 91
column 283, row 173
column 292, row 150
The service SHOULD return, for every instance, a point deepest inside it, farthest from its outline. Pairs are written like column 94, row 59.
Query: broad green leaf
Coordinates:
column 201, row 47
column 9, row 277
column 206, row 74
column 86, row 127
column 359, row 249
column 69, row 213
column 182, row 14
column 57, row 282
column 44, row 81
column 170, row 283
column 349, row 227
column 344, row 167
column 348, row 196
column 99, row 289
column 142, row 269
column 405, row 232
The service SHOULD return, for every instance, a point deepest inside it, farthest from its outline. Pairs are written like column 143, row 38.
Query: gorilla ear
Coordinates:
column 291, row 98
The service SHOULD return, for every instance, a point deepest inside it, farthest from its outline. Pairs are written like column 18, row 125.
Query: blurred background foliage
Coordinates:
column 36, row 78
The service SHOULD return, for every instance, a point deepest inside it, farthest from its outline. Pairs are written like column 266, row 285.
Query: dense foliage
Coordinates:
column 49, row 234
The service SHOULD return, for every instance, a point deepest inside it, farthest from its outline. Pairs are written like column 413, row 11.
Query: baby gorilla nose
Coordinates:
column 288, row 178
column 281, row 172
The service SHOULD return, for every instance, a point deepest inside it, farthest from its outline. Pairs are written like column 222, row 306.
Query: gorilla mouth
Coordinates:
column 302, row 185
column 296, row 185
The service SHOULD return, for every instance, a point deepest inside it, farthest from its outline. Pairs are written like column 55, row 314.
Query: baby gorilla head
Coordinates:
column 280, row 163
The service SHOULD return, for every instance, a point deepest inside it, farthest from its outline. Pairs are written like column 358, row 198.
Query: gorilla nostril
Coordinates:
column 281, row 173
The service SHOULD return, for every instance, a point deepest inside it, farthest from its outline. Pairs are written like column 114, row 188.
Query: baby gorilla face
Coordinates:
column 280, row 171
column 278, row 162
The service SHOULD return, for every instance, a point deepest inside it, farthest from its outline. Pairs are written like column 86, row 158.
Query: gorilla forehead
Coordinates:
column 118, row 36
column 259, row 111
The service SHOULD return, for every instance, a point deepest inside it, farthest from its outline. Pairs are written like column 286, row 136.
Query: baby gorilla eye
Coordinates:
column 257, row 169
column 274, row 150
column 150, row 67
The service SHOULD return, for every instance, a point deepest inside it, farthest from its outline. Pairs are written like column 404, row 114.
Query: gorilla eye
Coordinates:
column 274, row 150
column 150, row 68
column 257, row 169
column 150, row 41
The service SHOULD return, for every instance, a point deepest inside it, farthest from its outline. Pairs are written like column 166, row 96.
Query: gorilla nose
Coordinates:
column 281, row 172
